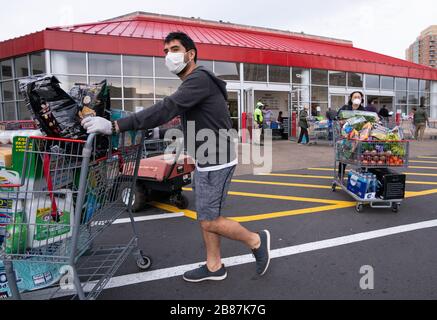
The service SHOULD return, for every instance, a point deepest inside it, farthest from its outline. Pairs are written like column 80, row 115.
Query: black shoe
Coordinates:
column 203, row 274
column 262, row 254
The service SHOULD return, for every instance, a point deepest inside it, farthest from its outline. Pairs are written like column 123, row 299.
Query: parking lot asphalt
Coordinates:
column 319, row 242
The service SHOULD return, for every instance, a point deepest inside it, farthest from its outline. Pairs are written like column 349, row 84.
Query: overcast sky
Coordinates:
column 384, row 26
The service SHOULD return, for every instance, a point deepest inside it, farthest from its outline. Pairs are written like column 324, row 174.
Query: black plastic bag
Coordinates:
column 54, row 110
column 93, row 100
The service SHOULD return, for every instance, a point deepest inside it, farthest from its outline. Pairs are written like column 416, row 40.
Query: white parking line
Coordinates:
column 161, row 274
column 150, row 218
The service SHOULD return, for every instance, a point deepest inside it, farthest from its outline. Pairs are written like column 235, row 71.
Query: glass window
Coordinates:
column 17, row 90
column 67, row 82
column 8, row 91
column 38, row 63
column 318, row 109
column 105, row 64
column 403, row 108
column 387, row 83
column 161, row 70
column 137, row 105
column 165, row 88
column 301, row 93
column 279, row 74
column 23, row 112
column 114, row 85
column 319, row 77
column 116, row 104
column 337, row 79
column 227, row 70
column 401, row 84
column 138, row 66
column 422, row 85
column 21, row 67
column 138, row 88
column 68, row 62
column 6, row 70
column 413, row 85
column 426, row 99
column 372, row 81
column 319, row 93
column 401, row 97
column 413, row 98
column 355, row 80
column 207, row 64
column 301, row 76
column 9, row 112
column 255, row 72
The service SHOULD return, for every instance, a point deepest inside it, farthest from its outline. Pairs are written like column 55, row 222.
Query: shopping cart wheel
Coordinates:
column 359, row 207
column 144, row 263
column 181, row 202
column 139, row 200
column 334, row 187
column 395, row 207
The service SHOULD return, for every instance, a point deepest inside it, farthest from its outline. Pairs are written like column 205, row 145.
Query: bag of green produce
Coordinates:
column 347, row 114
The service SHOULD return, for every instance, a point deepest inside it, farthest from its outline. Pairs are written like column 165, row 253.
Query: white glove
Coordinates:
column 97, row 125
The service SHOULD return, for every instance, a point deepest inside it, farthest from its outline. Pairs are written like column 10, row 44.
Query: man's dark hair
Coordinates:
column 184, row 39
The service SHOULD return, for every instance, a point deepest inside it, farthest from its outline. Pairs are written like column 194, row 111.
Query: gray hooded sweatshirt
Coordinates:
column 201, row 98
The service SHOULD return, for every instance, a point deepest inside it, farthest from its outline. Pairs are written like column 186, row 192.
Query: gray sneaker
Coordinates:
column 262, row 254
column 203, row 274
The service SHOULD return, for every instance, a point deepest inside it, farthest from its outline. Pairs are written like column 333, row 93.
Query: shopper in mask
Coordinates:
column 200, row 99
column 356, row 103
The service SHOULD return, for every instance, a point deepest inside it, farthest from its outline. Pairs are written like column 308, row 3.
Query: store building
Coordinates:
column 284, row 69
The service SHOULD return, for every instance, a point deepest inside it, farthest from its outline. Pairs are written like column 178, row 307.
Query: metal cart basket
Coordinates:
column 70, row 193
column 363, row 156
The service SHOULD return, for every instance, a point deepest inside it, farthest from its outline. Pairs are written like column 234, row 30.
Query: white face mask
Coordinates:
column 357, row 102
column 175, row 62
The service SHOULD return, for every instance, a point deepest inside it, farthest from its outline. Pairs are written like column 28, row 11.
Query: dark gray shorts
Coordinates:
column 211, row 189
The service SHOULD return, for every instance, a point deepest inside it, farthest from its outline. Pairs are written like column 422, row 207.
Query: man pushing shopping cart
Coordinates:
column 201, row 101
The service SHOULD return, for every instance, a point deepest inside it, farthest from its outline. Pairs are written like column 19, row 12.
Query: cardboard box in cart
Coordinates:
column 34, row 170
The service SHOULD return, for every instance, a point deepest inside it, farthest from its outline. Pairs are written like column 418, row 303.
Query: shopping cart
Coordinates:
column 408, row 128
column 364, row 157
column 319, row 132
column 70, row 193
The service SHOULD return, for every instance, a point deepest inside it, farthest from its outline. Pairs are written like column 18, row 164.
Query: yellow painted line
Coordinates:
column 406, row 173
column 426, row 168
column 286, row 198
column 322, row 169
column 412, row 194
column 423, row 157
column 420, row 174
column 426, row 183
column 298, row 176
column 314, row 186
column 173, row 209
column 422, row 161
column 340, row 205
column 192, row 215
column 283, row 184
column 282, row 214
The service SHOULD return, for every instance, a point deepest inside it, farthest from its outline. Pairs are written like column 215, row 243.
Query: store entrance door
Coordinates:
column 337, row 101
column 234, row 98
column 381, row 101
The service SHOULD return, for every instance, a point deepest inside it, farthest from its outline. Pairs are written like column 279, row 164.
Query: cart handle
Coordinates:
column 379, row 141
column 58, row 139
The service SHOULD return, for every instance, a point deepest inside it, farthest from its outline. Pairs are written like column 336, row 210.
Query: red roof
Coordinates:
column 142, row 34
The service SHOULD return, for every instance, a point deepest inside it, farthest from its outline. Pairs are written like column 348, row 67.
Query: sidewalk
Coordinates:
column 289, row 155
